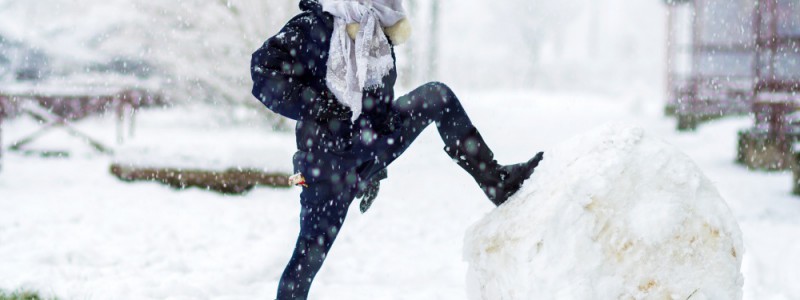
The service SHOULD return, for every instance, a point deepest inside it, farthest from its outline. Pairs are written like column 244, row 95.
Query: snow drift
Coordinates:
column 613, row 214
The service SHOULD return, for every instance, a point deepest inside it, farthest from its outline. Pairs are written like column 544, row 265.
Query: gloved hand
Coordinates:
column 327, row 108
column 368, row 191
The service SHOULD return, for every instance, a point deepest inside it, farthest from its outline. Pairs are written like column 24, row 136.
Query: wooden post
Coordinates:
column 796, row 173
column 669, row 110
column 139, row 97
column 771, row 150
column 120, row 108
column 131, row 124
column 688, row 121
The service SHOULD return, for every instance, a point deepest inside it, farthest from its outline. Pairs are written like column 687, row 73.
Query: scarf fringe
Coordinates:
column 360, row 63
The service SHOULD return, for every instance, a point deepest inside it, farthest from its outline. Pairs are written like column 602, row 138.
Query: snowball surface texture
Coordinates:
column 612, row 214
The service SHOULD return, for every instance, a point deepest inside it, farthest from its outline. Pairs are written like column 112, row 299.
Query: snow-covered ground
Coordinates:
column 68, row 228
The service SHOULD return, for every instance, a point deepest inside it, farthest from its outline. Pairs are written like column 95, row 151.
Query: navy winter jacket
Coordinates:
column 288, row 73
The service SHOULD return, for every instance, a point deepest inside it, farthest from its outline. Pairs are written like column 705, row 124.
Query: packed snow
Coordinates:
column 69, row 228
column 612, row 214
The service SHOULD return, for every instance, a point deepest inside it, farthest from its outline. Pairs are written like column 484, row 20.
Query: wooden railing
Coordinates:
column 57, row 110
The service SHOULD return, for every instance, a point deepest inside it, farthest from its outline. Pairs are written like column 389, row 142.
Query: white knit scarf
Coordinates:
column 356, row 65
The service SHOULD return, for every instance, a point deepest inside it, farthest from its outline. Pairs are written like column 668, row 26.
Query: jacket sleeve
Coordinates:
column 284, row 85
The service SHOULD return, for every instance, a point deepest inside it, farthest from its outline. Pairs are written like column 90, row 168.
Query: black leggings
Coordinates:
column 324, row 206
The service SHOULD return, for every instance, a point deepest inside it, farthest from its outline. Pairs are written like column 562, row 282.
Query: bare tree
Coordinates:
column 194, row 50
column 535, row 21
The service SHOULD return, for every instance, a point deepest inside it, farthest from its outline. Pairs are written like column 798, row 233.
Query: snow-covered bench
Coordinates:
column 58, row 106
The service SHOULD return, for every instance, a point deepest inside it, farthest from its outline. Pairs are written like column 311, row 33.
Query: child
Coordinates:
column 332, row 68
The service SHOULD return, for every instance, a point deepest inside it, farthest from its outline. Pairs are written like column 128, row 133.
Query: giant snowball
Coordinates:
column 613, row 214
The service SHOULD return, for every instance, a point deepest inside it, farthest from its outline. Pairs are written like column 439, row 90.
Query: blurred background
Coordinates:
column 198, row 51
column 135, row 163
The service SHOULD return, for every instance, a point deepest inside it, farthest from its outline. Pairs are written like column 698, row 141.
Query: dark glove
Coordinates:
column 327, row 108
column 330, row 109
column 368, row 191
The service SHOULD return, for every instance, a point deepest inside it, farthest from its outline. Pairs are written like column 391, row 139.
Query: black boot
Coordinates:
column 497, row 182
column 513, row 177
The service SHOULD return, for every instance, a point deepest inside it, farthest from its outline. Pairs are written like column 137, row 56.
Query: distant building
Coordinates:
column 724, row 56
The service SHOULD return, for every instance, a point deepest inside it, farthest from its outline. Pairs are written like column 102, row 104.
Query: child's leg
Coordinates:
column 324, row 208
column 427, row 104
column 436, row 103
